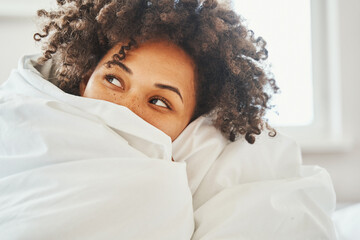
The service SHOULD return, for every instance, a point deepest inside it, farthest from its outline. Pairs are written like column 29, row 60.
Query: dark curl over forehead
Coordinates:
column 231, row 85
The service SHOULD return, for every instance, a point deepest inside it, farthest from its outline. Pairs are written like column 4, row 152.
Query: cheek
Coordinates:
column 91, row 88
column 172, row 126
column 160, row 122
column 96, row 90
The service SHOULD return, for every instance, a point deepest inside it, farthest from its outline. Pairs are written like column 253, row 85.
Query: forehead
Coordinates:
column 158, row 61
column 153, row 50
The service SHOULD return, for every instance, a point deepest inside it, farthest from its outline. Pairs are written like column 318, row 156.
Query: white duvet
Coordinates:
column 80, row 168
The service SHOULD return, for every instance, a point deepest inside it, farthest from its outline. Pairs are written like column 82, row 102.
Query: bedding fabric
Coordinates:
column 347, row 222
column 80, row 168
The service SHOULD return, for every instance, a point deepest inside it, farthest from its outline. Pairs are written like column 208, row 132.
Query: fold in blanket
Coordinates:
column 255, row 191
column 79, row 168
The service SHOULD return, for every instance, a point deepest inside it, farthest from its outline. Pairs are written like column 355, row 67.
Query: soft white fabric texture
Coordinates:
column 347, row 222
column 257, row 192
column 79, row 168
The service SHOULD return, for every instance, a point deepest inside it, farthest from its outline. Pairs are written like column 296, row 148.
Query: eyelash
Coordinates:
column 109, row 77
column 166, row 102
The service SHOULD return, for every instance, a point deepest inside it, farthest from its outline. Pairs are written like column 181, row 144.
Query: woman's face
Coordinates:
column 156, row 81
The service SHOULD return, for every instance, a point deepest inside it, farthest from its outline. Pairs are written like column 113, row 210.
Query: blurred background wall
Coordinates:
column 344, row 168
column 17, row 27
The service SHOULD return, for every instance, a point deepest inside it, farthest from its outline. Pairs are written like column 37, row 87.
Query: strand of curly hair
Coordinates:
column 232, row 83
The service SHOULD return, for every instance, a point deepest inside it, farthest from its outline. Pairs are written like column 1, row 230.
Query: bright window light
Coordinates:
column 286, row 27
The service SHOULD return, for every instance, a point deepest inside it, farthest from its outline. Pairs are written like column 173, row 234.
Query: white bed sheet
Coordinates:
column 347, row 221
column 80, row 168
column 228, row 190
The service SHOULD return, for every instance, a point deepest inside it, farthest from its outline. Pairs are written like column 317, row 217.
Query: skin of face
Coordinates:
column 156, row 82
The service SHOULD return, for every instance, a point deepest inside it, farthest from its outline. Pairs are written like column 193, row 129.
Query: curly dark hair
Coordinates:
column 233, row 85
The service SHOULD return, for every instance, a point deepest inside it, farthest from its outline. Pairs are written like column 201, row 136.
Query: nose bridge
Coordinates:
column 133, row 101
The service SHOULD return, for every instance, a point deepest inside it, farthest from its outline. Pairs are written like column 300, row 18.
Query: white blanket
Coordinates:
column 80, row 168
column 258, row 192
column 347, row 221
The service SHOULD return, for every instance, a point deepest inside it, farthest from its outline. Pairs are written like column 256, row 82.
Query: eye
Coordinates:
column 113, row 80
column 161, row 102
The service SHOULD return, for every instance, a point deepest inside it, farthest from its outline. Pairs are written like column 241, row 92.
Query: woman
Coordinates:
column 231, row 82
column 89, row 130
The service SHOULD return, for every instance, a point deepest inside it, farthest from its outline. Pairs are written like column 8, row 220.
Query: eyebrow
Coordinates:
column 120, row 64
column 171, row 88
